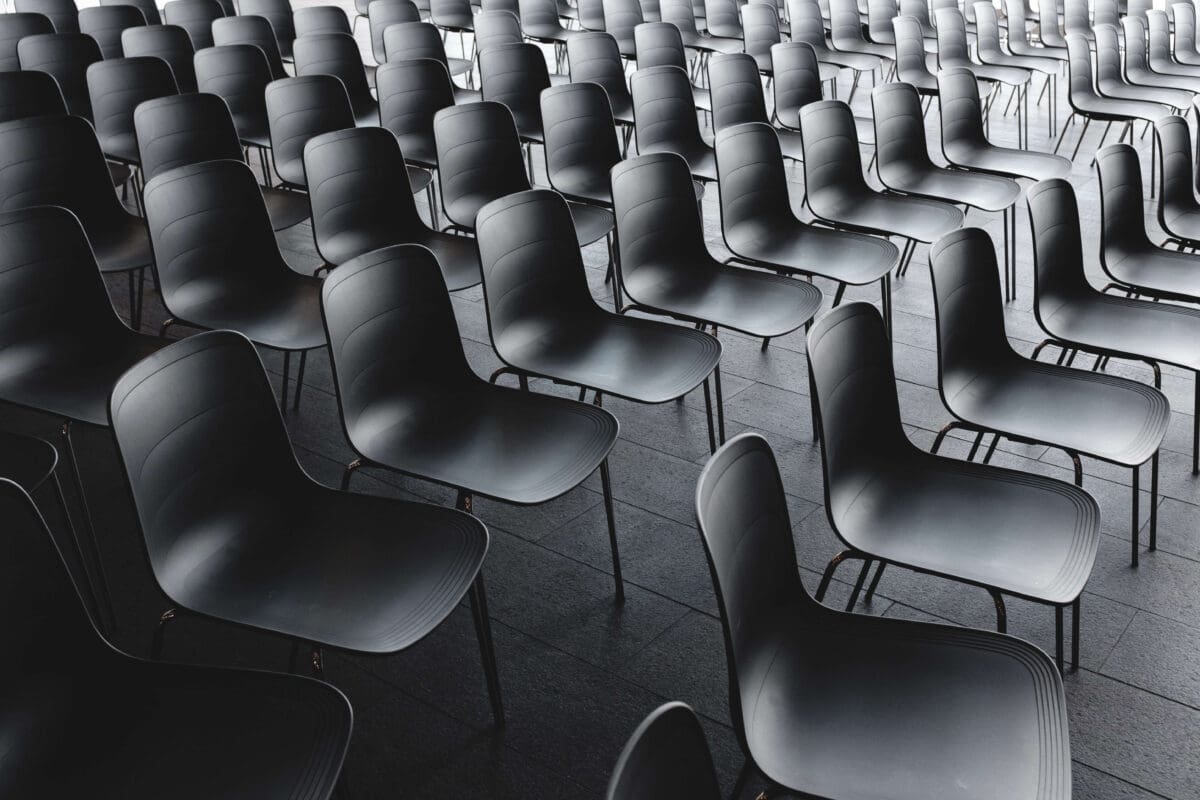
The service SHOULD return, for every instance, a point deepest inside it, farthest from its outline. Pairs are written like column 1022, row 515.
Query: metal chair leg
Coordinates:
column 101, row 577
column 483, row 632
column 875, row 582
column 93, row 592
column 156, row 646
column 720, row 400
column 858, row 584
column 283, row 389
column 831, row 568
column 606, row 483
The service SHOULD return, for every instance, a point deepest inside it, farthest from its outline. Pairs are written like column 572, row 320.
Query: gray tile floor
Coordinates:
column 579, row 672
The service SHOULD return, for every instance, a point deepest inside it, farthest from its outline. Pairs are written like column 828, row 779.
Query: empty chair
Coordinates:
column 911, row 65
column 452, row 16
column 149, row 9
column 807, row 25
column 667, row 755
column 297, row 110
column 1139, row 73
column 238, row 74
column 540, row 21
column 1077, row 19
column 1077, row 317
column 66, row 56
column 353, row 177
column 660, row 44
column 919, row 10
column 595, row 57
column 988, row 387
column 760, row 229
column 838, row 194
column 320, row 19
column 29, row 93
column 408, row 40
column 194, row 16
column 990, row 52
column 953, row 53
column 1185, row 50
column 581, row 145
column 14, row 28
column 515, row 75
column 254, row 31
column 171, row 43
column 880, row 14
column 737, row 96
column 1050, row 29
column 337, row 54
column 1178, row 210
column 808, row 660
column 620, row 19
column 105, row 24
column 665, row 119
column 279, row 14
column 1159, row 45
column 276, row 736
column 590, row 14
column 206, row 454
column 1141, row 86
column 798, row 77
column 396, row 353
column 846, row 31
column 721, row 18
column 1019, row 43
column 381, row 14
column 682, row 15
column 63, row 14
column 116, row 87
column 494, row 28
column 760, row 22
column 410, row 93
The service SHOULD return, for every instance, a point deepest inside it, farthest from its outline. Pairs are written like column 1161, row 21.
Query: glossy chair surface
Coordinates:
column 149, row 9
column 117, row 86
column 515, row 75
column 581, row 142
column 320, row 19
column 299, row 109
column 238, row 74
column 105, row 24
column 410, row 93
column 387, row 12
column 1178, row 209
column 667, row 756
column 405, row 40
column 196, row 17
column 337, row 54
column 171, row 43
column 595, row 57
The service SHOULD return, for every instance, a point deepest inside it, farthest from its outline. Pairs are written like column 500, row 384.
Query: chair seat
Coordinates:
column 584, row 184
column 850, row 258
column 711, row 44
column 885, row 214
column 1146, row 78
column 465, row 438
column 1023, row 534
column 640, row 360
column 121, row 147
column 1114, row 419
column 284, row 207
column 1006, row 160
column 756, row 303
column 338, row 585
column 1166, row 333
column 284, row 314
column 253, row 129
column 791, row 144
column 463, row 96
column 190, row 733
column 1107, row 108
column 1161, row 272
column 979, row 190
column 124, row 246
column 418, row 149
column 1189, row 57
column 622, row 108
column 1162, row 67
column 859, row 708
column 702, row 99
column 26, row 460
column 1183, row 223
column 118, row 173
column 1176, row 98
column 591, row 223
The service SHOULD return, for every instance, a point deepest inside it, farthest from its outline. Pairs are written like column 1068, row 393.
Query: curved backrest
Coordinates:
column 14, row 28
column 1138, row 8
column 1122, row 203
column 381, row 14
column 1079, row 57
column 651, row 10
column 1185, row 27
column 391, row 330
column 118, row 85
column 880, row 14
column 900, row 142
column 751, row 177
column 760, row 29
column 515, row 75
column 533, row 272
column 1050, row 30
column 1105, row 12
column 196, row 17
column 406, row 40
column 591, row 14
column 621, row 17
column 1176, row 164
column 911, row 65
column 1108, row 56
column 664, row 110
column 410, row 93
column 335, row 54
column 845, row 24
column 722, row 19
column 1136, row 54
column 680, row 14
column 496, row 28
column 797, row 80
column 960, row 111
column 806, row 24
column 238, row 74
column 200, row 438
column 658, row 220
column 736, row 90
column 987, row 33
column 184, row 129
column 1057, row 250
column 581, row 137
column 149, row 8
column 742, row 514
column 168, row 42
column 659, row 44
column 595, row 57
column 538, row 14
column 29, row 94
column 63, row 14
column 1159, row 36
column 1077, row 18
column 357, row 188
column 320, row 19
column 832, row 163
column 253, row 31
column 919, row 10
column 952, row 48
column 299, row 109
column 667, row 756
column 479, row 158
column 66, row 56
column 279, row 14
column 105, row 24
column 968, row 307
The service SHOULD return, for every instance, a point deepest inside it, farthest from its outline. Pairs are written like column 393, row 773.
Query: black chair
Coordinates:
column 904, row 166
column 1051, row 32
column 1132, row 80
column 1159, row 46
column 63, row 14
column 320, row 19
column 105, row 24
column 29, row 94
column 383, row 13
column 620, row 19
column 990, row 51
column 667, row 756
column 990, row 389
column 912, row 67
column 239, row 74
column 828, row 704
column 194, row 16
column 534, row 280
column 665, row 119
column 594, row 57
column 737, row 94
column 297, row 110
column 134, row 727
column 357, row 208
column 515, row 75
column 254, row 31
column 722, row 19
column 207, row 458
column 838, row 194
column 219, row 266
column 1185, row 50
column 149, row 9
column 761, row 230
column 682, row 15
column 409, row 40
column 797, row 81
column 279, row 14
column 665, row 266
column 880, row 14
column 479, row 160
column 14, row 28
column 66, row 56
column 1051, row 45
column 540, row 21
column 1178, row 210
column 337, row 54
column 192, row 128
column 660, row 44
column 116, row 86
column 396, row 352
column 808, row 26
column 410, row 93
column 64, row 346
column 452, row 16
column 760, row 25
column 171, row 43
column 846, row 32
column 1077, row 317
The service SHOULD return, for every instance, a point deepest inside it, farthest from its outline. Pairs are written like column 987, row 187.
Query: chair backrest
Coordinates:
column 515, row 75
column 651, row 10
column 760, row 29
column 511, row 6
column 581, row 138
column 14, row 28
column 29, row 93
column 1058, row 267
column 118, row 85
column 63, row 14
column 797, row 80
column 1159, row 35
column 358, row 189
column 479, row 158
column 664, row 110
column 960, row 111
column 806, row 24
column 679, row 13
column 1077, row 18
column 1185, row 27
column 254, row 31
column 381, row 14
column 987, row 33
column 657, row 218
column 171, row 43
column 537, row 14
column 335, row 54
column 659, row 44
column 722, row 18
column 279, row 14
column 832, row 162
column 595, row 57
column 66, row 56
column 1122, row 202
column 201, row 443
column 1050, row 28
column 1105, row 12
column 196, row 17
column 621, row 17
column 238, row 74
column 105, row 23
column 901, row 146
column 149, row 9
column 751, row 178
column 911, row 66
column 410, row 94
column 299, row 109
column 667, row 756
column 320, row 19
column 451, row 14
column 1176, row 164
column 1108, row 56
column 736, row 90
column 591, row 14
column 880, row 14
column 952, row 48
column 405, row 40
column 1079, row 58
column 184, row 129
column 845, row 24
